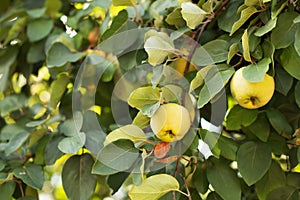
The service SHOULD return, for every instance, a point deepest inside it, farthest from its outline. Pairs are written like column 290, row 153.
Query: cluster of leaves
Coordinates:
column 42, row 46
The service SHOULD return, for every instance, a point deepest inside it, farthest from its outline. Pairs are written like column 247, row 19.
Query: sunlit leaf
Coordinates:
column 154, row 187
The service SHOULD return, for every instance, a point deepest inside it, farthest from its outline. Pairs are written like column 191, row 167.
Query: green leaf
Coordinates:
column 284, row 33
column 124, row 2
column 37, row 12
column 260, row 128
column 158, row 49
column 289, row 60
column 246, row 48
column 212, row 52
column 39, row 29
column 16, row 142
column 256, row 72
column 254, row 160
column 199, row 78
column 77, row 180
column 154, row 187
column 297, row 41
column 296, row 20
column 59, row 54
column 252, row 2
column 234, row 49
column 175, row 18
column 52, row 153
column 58, row 87
column 224, row 181
column 213, row 196
column 297, row 93
column 12, row 103
column 129, row 132
column 228, row 147
column 31, row 174
column 266, row 28
column 239, row 117
column 280, row 123
column 36, row 52
column 72, row 144
column 117, row 156
column 283, row 81
column 214, row 83
column 7, row 59
column 144, row 96
column 245, row 15
column 7, row 189
column 285, row 192
column 199, row 180
column 117, row 24
column 229, row 16
column 273, row 179
column 293, row 178
column 150, row 109
column 141, row 120
column 192, row 14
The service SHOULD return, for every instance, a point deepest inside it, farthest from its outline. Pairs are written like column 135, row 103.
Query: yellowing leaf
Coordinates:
column 245, row 44
column 124, row 2
column 245, row 15
column 154, row 187
column 130, row 132
column 192, row 14
column 158, row 49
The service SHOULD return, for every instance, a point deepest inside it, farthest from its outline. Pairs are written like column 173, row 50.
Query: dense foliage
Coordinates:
column 81, row 79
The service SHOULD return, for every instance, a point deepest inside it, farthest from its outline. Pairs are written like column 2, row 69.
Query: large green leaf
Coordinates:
column 260, row 128
column 215, row 81
column 78, row 181
column 118, row 23
column 256, row 72
column 39, row 28
column 212, row 52
column 297, row 41
column 154, row 187
column 289, row 60
column 229, row 16
column 12, row 103
column 59, row 54
column 273, row 179
column 239, row 117
column 36, row 52
column 254, row 160
column 72, row 144
column 224, row 181
column 7, row 189
column 31, row 174
column 199, row 179
column 116, row 157
column 7, row 59
column 16, row 142
column 283, row 81
column 58, row 87
column 52, row 153
column 144, row 96
column 284, row 33
column 245, row 15
column 285, row 192
column 279, row 123
column 266, row 28
column 129, row 132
